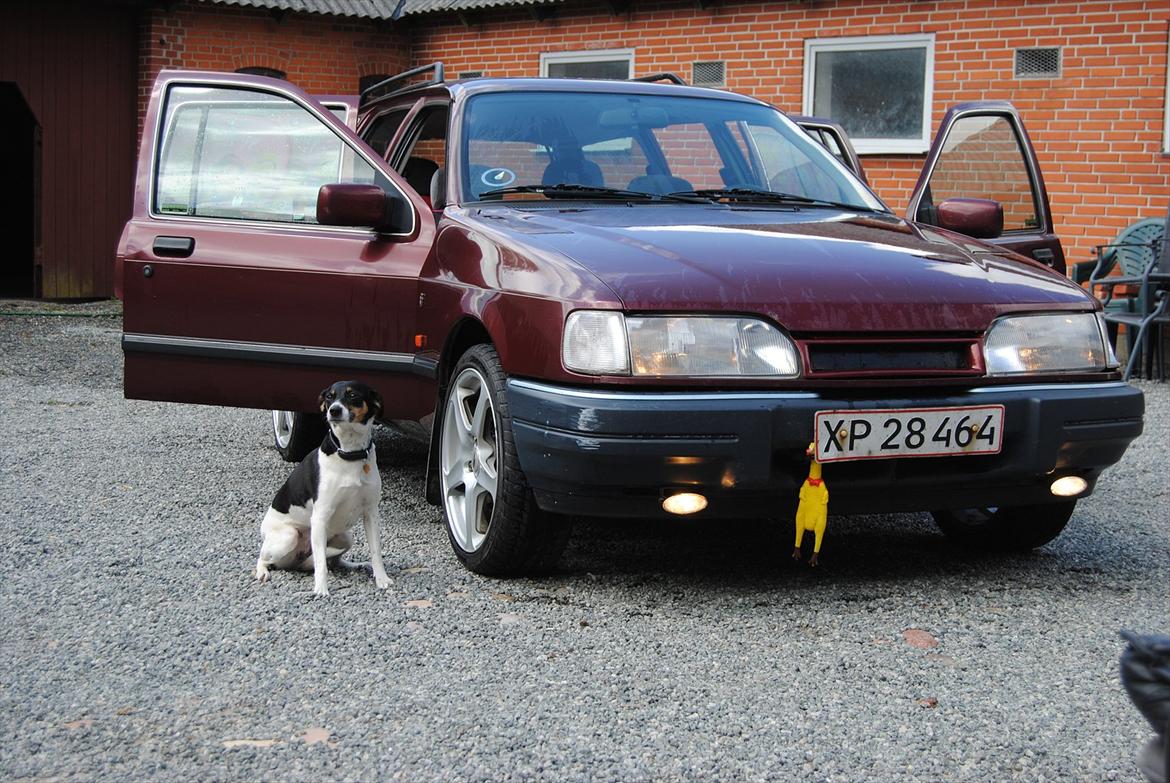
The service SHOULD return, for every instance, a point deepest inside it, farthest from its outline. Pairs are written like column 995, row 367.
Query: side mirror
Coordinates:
column 976, row 217
column 351, row 204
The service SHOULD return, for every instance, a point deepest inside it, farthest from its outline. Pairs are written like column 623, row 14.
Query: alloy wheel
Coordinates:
column 469, row 469
column 282, row 427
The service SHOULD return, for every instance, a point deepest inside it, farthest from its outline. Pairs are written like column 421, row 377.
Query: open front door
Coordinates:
column 235, row 291
column 982, row 152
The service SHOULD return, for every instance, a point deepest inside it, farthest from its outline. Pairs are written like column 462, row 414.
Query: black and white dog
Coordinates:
column 308, row 523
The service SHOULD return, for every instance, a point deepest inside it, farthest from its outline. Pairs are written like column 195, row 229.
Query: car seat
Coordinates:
column 418, row 173
column 571, row 167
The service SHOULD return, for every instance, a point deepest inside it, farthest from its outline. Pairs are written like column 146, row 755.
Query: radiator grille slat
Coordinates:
column 894, row 358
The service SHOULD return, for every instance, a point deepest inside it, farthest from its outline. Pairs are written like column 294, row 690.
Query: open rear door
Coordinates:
column 982, row 151
column 236, row 291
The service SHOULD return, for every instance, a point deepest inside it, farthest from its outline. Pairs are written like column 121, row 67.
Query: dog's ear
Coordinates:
column 376, row 404
column 321, row 399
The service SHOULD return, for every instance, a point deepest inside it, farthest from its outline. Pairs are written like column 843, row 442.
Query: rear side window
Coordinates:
column 382, row 129
column 248, row 155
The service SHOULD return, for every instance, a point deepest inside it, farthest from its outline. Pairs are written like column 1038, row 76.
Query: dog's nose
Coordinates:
column 336, row 410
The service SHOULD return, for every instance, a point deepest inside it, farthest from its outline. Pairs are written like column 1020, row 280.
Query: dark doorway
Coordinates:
column 20, row 214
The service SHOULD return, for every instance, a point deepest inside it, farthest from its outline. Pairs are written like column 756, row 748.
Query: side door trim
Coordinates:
column 279, row 353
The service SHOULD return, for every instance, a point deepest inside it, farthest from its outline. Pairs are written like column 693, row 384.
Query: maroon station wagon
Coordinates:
column 622, row 298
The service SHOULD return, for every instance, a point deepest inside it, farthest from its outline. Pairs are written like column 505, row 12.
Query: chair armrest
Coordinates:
column 1106, row 260
column 1082, row 271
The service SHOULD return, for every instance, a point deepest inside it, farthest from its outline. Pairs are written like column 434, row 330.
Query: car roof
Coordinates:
column 461, row 88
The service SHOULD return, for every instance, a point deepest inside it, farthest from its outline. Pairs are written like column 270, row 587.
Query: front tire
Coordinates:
column 1006, row 528
column 296, row 434
column 493, row 522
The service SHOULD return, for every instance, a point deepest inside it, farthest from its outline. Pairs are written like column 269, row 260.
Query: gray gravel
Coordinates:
column 137, row 645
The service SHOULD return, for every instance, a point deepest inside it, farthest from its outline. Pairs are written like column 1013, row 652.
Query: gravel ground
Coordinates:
column 137, row 645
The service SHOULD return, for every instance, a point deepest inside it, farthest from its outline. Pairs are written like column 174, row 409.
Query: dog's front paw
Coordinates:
column 261, row 573
column 321, row 590
column 382, row 581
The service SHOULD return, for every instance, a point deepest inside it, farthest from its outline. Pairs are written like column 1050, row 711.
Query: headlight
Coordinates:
column 677, row 346
column 595, row 343
column 1056, row 342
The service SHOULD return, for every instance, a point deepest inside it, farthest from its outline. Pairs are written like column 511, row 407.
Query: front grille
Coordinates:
column 892, row 358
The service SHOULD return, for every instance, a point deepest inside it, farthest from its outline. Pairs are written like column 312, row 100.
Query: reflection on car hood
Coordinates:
column 810, row 269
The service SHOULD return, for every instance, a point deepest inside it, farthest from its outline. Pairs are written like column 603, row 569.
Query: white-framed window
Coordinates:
column 593, row 64
column 878, row 87
column 1166, row 103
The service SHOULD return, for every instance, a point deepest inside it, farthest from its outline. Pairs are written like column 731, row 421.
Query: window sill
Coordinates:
column 863, row 147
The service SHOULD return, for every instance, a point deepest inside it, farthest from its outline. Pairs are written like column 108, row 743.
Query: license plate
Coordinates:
column 908, row 432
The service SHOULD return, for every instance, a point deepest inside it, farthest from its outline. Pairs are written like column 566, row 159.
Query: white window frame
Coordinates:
column 1166, row 101
column 587, row 56
column 864, row 146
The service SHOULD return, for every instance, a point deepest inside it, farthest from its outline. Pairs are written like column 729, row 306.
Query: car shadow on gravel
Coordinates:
column 874, row 548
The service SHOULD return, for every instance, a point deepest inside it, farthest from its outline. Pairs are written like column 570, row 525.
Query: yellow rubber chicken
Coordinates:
column 812, row 513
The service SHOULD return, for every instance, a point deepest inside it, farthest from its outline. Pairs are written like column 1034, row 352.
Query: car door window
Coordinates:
column 982, row 157
column 249, row 155
column 381, row 130
column 425, row 150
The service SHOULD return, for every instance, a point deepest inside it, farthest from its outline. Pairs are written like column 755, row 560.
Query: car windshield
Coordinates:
column 524, row 144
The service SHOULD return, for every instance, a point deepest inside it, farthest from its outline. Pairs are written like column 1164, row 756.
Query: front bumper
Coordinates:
column 616, row 453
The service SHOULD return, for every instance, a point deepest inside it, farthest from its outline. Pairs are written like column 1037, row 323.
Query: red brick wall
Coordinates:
column 1097, row 128
column 320, row 54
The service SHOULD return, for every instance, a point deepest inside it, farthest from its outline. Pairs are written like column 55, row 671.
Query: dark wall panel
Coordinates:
column 76, row 66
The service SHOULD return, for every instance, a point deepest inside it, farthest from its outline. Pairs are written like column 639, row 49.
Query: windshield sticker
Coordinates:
column 498, row 178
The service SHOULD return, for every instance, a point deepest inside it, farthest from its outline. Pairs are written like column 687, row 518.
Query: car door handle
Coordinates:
column 1044, row 256
column 174, row 247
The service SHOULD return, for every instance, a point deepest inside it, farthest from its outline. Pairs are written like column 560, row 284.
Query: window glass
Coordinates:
column 832, row 144
column 692, row 155
column 598, row 69
column 381, row 131
column 599, row 64
column 878, row 89
column 644, row 142
column 258, row 70
column 427, row 152
column 619, row 160
column 982, row 158
column 248, row 155
column 788, row 170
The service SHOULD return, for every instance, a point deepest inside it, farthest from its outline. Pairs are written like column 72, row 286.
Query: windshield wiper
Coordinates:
column 594, row 191
column 771, row 196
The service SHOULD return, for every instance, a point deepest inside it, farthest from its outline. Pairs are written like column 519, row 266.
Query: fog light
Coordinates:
column 684, row 503
column 1069, row 486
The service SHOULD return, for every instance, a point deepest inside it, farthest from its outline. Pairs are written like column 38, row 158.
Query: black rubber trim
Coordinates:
column 273, row 353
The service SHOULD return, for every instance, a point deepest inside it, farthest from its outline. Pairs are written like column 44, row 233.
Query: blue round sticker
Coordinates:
column 498, row 178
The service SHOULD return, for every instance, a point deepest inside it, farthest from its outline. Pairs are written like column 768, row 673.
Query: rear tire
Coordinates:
column 296, row 434
column 1007, row 528
column 493, row 522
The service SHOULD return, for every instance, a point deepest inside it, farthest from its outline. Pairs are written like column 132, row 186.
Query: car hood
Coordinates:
column 811, row 270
